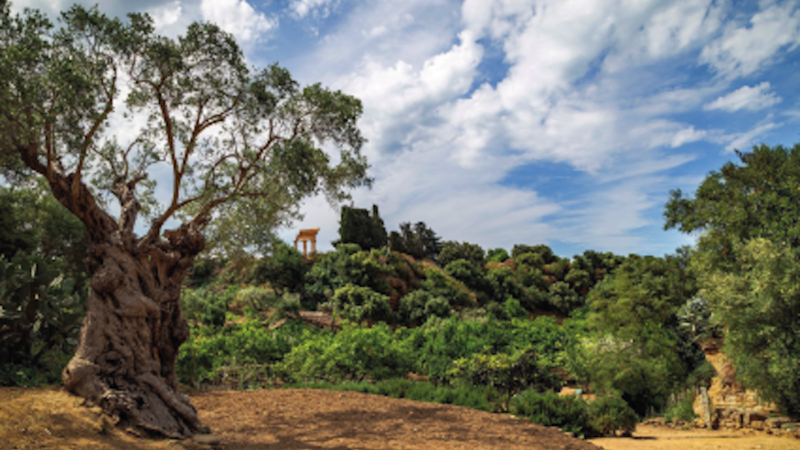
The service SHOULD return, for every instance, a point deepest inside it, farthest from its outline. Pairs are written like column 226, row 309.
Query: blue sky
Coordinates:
column 497, row 122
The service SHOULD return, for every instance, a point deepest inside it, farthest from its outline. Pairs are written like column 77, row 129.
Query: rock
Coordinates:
column 776, row 422
column 757, row 424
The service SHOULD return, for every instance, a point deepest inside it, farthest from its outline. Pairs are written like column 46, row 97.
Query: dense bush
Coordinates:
column 452, row 251
column 283, row 270
column 206, row 306
column 359, row 303
column 353, row 353
column 507, row 373
column 497, row 255
column 210, row 352
column 611, row 415
column 549, row 409
column 40, row 319
column 416, row 307
column 440, row 285
column 473, row 277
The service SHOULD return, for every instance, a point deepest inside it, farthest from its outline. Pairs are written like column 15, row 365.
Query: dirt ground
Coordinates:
column 295, row 419
column 660, row 438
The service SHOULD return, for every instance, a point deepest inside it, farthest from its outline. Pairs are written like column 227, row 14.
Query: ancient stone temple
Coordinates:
column 305, row 236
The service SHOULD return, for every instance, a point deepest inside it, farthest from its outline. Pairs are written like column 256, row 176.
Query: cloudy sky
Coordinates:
column 497, row 122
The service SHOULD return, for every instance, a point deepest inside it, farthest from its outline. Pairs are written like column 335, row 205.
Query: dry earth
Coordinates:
column 293, row 419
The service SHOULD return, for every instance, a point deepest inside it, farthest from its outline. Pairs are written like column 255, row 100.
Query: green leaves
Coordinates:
column 40, row 311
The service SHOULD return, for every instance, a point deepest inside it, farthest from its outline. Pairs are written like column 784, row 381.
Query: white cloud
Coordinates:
column 238, row 18
column 746, row 97
column 745, row 48
column 743, row 141
column 321, row 8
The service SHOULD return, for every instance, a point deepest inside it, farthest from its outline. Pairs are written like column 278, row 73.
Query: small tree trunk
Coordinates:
column 125, row 362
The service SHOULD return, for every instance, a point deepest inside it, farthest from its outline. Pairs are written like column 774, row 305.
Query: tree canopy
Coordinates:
column 99, row 104
column 122, row 123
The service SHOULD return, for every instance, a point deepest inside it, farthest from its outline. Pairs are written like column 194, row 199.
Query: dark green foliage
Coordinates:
column 360, row 303
column 284, row 269
column 507, row 373
column 563, row 298
column 206, row 306
column 335, row 270
column 34, row 223
column 450, row 289
column 417, row 306
column 40, row 314
column 358, row 227
column 546, row 254
column 610, row 415
column 420, row 241
column 756, row 301
column 452, row 251
column 758, row 198
column 513, row 308
column 549, row 409
column 472, row 277
column 201, row 272
column 505, row 284
column 639, row 350
column 497, row 255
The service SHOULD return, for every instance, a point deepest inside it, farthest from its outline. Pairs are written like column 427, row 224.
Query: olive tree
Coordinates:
column 96, row 106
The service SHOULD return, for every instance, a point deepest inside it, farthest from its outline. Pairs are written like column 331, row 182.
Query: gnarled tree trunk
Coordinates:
column 125, row 362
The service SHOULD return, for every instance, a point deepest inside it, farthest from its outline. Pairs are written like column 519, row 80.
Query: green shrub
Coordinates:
column 507, row 373
column 353, row 353
column 513, row 308
column 682, row 409
column 360, row 303
column 256, row 298
column 549, row 409
column 497, row 255
column 472, row 276
column 452, row 251
column 609, row 415
column 40, row 316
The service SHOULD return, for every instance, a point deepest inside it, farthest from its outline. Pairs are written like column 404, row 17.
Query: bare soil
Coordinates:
column 294, row 419
column 285, row 419
column 662, row 438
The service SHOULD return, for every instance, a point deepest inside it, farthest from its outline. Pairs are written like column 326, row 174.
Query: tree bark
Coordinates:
column 125, row 361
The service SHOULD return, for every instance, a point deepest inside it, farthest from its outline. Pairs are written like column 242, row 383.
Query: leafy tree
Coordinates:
column 749, row 216
column 34, row 223
column 758, row 306
column 472, row 277
column 757, row 199
column 563, row 298
column 497, row 255
column 358, row 227
column 548, row 257
column 40, row 310
column 237, row 141
column 508, row 374
column 452, row 251
column 284, row 269
column 638, row 351
column 418, row 241
column 417, row 306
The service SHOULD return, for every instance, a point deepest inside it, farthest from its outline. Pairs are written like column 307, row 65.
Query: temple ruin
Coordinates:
column 305, row 236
